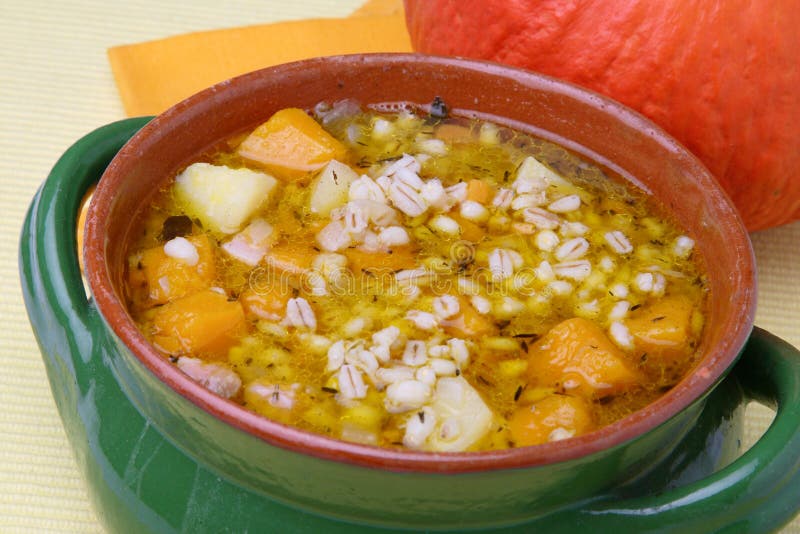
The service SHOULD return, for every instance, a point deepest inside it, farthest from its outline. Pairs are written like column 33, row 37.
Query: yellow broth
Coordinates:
column 528, row 296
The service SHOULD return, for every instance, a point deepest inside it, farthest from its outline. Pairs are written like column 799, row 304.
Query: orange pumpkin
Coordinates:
column 721, row 77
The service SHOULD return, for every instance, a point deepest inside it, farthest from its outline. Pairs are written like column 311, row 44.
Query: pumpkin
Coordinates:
column 721, row 77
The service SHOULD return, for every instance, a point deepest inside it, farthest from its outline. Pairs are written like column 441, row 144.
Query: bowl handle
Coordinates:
column 758, row 492
column 64, row 320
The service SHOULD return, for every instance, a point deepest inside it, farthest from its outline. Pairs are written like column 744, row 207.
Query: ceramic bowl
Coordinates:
column 665, row 453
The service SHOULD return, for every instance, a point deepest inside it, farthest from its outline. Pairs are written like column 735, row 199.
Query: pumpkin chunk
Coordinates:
column 267, row 302
column 578, row 356
column 205, row 323
column 662, row 328
column 396, row 259
column 479, row 191
column 469, row 323
column 469, row 230
column 291, row 144
column 292, row 257
column 156, row 278
column 552, row 418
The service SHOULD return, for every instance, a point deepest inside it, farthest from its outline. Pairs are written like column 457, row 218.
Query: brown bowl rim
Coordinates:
column 690, row 389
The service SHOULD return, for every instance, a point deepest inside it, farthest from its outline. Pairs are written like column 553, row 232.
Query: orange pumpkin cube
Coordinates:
column 469, row 230
column 396, row 259
column 205, row 323
column 291, row 144
column 156, row 278
column 662, row 328
column 268, row 302
column 552, row 418
column 479, row 191
column 577, row 356
column 468, row 323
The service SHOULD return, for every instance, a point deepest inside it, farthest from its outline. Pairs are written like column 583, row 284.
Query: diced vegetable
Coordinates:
column 469, row 323
column 155, row 278
column 292, row 257
column 469, row 230
column 291, row 144
column 396, row 259
column 552, row 418
column 267, row 303
column 578, row 356
column 462, row 416
column 204, row 323
column 479, row 191
column 331, row 187
column 662, row 328
column 220, row 197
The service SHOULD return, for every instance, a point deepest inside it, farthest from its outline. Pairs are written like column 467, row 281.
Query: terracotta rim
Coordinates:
column 713, row 367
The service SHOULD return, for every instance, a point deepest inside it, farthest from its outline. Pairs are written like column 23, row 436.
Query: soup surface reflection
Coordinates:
column 416, row 280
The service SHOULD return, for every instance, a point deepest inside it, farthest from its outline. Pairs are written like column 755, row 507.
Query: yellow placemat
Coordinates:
column 55, row 86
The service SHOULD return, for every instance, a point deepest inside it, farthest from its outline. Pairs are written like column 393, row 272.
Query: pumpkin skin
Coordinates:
column 721, row 77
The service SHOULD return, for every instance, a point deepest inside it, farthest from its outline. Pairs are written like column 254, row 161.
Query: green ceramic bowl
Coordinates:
column 162, row 454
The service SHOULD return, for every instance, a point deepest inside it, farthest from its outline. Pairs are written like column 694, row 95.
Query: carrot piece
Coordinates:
column 662, row 328
column 204, row 323
column 291, row 144
column 155, row 278
column 469, row 323
column 267, row 302
column 396, row 259
column 479, row 191
column 535, row 424
column 469, row 230
column 578, row 356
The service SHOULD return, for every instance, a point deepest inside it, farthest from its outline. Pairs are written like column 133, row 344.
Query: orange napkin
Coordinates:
column 153, row 76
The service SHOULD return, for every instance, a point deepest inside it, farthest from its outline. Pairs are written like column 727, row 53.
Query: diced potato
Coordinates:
column 662, row 328
column 578, row 356
column 155, row 278
column 462, row 418
column 550, row 419
column 469, row 323
column 291, row 144
column 364, row 415
column 220, row 197
column 398, row 258
column 203, row 323
column 331, row 187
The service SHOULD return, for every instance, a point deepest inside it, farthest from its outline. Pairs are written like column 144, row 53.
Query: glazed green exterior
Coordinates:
column 178, row 468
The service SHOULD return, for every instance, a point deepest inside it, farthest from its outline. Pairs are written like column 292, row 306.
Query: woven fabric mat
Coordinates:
column 56, row 84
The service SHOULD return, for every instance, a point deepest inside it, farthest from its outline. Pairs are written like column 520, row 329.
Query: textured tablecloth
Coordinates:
column 55, row 86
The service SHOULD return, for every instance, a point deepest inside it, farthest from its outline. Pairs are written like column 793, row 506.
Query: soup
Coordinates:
column 417, row 280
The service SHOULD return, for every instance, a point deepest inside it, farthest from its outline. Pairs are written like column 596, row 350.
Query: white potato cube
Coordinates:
column 331, row 187
column 222, row 198
column 462, row 416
